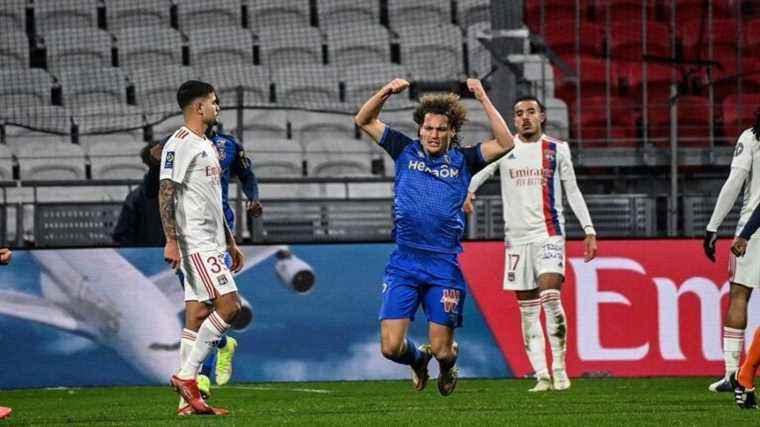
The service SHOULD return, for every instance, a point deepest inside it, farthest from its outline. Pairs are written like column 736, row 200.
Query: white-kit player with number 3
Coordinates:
column 533, row 175
column 190, row 201
column 744, row 272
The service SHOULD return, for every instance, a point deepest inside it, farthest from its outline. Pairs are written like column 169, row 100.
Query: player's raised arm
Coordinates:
column 503, row 142
column 367, row 117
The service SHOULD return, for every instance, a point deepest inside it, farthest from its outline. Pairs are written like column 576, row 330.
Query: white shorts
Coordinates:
column 523, row 264
column 206, row 276
column 745, row 270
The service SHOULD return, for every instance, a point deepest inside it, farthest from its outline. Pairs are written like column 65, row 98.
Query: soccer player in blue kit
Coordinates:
column 432, row 175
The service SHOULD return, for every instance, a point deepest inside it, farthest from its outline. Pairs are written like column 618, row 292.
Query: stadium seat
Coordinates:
column 24, row 87
column 13, row 15
column 156, row 86
column 284, row 14
column 41, row 160
column 557, row 120
column 14, row 49
column 254, row 81
column 275, row 157
column 54, row 120
column 739, row 113
column 693, row 121
column 593, row 76
column 477, row 128
column 137, row 13
column 6, row 163
column 226, row 45
column 559, row 35
column 363, row 80
column 752, row 36
column 659, row 78
column 552, row 10
column 403, row 13
column 344, row 48
column 306, row 86
column 538, row 71
column 432, row 51
column 694, row 10
column 478, row 57
column 290, row 46
column 622, row 11
column 338, row 158
column 694, row 35
column 78, row 47
column 402, row 121
column 113, row 155
column 144, row 47
column 593, row 122
column 470, row 12
column 625, row 39
column 308, row 126
column 91, row 86
column 192, row 14
column 263, row 125
column 55, row 14
column 336, row 13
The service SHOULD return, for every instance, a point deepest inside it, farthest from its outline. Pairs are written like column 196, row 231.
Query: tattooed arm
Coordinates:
column 166, row 205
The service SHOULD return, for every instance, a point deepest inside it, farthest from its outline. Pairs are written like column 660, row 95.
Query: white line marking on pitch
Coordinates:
column 266, row 388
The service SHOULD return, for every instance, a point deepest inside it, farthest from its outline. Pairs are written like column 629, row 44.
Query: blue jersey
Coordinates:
column 234, row 162
column 430, row 192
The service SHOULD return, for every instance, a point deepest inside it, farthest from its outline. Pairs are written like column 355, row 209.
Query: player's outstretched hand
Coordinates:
column 709, row 244
column 589, row 248
column 739, row 247
column 396, row 86
column 171, row 253
column 237, row 258
column 254, row 208
column 468, row 208
column 476, row 87
column 5, row 256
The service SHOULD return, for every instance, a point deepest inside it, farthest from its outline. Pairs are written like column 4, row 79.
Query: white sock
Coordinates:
column 556, row 326
column 185, row 345
column 733, row 342
column 210, row 332
column 533, row 335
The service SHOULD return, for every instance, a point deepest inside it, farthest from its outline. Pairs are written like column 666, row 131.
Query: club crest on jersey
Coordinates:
column 450, row 300
column 549, row 155
column 169, row 163
column 219, row 144
column 222, row 280
column 511, row 276
column 739, row 149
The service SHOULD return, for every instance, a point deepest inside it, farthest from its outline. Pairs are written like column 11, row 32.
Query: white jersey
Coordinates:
column 747, row 157
column 531, row 189
column 192, row 162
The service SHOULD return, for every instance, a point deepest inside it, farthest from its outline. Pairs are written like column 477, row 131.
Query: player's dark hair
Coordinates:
column 529, row 98
column 756, row 126
column 191, row 90
column 445, row 104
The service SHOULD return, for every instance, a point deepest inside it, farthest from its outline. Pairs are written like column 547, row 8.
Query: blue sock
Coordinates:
column 209, row 364
column 411, row 356
column 222, row 341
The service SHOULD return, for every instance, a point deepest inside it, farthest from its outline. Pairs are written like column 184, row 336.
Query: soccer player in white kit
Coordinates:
column 744, row 272
column 532, row 177
column 190, row 201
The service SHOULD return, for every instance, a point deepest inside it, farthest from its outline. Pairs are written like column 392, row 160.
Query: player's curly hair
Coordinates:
column 446, row 104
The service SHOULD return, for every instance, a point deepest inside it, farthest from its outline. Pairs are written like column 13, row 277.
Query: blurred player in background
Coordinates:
column 5, row 259
column 432, row 174
column 197, row 237
column 744, row 272
column 532, row 178
column 743, row 380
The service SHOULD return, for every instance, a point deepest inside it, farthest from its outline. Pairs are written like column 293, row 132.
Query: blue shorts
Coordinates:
column 415, row 277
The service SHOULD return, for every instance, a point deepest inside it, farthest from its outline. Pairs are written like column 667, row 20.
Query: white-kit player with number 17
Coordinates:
column 532, row 177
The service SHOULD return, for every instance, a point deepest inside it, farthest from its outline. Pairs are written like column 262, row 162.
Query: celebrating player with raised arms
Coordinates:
column 533, row 175
column 432, row 173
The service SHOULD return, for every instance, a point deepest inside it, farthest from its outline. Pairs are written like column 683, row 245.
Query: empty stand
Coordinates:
column 285, row 14
column 419, row 12
column 363, row 80
column 13, row 15
column 281, row 47
column 137, row 13
column 14, row 49
column 226, row 45
column 470, row 12
column 254, row 81
column 158, row 85
column 28, row 88
column 92, row 86
column 739, row 113
column 78, row 47
column 142, row 47
column 344, row 48
column 432, row 51
column 56, row 14
column 307, row 86
column 336, row 13
column 338, row 158
column 42, row 160
column 309, row 126
column 192, row 14
column 275, row 157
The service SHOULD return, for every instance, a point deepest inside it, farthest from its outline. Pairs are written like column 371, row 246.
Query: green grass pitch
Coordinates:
column 590, row 402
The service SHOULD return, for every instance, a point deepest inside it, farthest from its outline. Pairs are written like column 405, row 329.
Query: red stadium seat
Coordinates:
column 622, row 10
column 560, row 36
column 693, row 121
column 695, row 37
column 659, row 78
column 752, row 37
column 593, row 75
column 593, row 121
column 688, row 10
column 625, row 37
column 739, row 113
column 553, row 10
